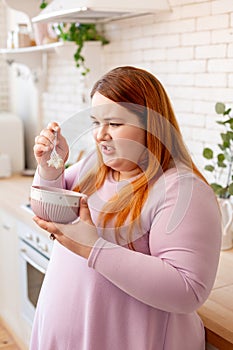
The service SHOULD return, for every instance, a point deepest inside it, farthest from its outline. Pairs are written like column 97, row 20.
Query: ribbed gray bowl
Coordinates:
column 55, row 204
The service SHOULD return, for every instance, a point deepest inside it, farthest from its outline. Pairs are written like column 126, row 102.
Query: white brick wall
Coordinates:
column 3, row 66
column 190, row 50
column 67, row 91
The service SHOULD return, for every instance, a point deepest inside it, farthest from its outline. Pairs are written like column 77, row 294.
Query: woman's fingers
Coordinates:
column 44, row 142
column 47, row 135
column 46, row 225
column 85, row 214
column 79, row 237
column 54, row 231
column 53, row 126
column 39, row 150
column 42, row 146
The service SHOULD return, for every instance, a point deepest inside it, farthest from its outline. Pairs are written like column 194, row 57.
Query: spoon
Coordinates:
column 55, row 160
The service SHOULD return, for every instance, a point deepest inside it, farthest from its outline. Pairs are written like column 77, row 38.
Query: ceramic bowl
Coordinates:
column 55, row 204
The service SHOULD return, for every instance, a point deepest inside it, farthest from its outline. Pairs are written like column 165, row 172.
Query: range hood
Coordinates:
column 89, row 11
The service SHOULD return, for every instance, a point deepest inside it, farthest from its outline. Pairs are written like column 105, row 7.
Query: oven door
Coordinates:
column 33, row 265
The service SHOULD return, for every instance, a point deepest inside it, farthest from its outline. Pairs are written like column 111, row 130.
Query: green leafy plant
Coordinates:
column 79, row 33
column 221, row 164
column 43, row 4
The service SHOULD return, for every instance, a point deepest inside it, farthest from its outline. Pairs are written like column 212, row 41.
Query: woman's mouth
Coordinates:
column 106, row 149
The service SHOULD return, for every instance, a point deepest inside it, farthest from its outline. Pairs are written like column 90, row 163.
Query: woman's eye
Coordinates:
column 95, row 123
column 115, row 124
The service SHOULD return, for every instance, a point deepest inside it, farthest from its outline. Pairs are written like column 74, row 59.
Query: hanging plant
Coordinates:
column 43, row 4
column 79, row 33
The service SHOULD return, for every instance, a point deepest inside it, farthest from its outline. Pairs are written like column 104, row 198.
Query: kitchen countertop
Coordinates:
column 217, row 311
column 15, row 192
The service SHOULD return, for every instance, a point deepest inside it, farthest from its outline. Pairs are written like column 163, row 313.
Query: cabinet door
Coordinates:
column 9, row 271
column 10, row 283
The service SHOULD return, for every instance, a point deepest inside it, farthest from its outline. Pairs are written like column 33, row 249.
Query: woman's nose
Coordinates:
column 102, row 133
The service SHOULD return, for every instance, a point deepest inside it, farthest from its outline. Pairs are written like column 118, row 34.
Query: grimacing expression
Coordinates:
column 118, row 133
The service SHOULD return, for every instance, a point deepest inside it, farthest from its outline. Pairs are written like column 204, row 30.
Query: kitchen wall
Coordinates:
column 67, row 94
column 190, row 49
column 3, row 72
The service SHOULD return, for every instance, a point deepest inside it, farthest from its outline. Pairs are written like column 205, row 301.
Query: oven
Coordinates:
column 34, row 254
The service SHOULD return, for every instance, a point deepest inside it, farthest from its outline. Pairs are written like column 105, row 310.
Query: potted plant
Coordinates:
column 221, row 166
column 79, row 33
column 221, row 163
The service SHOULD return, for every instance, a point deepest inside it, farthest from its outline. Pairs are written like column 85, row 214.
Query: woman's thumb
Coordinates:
column 84, row 210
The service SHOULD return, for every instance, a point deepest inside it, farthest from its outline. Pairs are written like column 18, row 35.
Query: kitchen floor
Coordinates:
column 6, row 340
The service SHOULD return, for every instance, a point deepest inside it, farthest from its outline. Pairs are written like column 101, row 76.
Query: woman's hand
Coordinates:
column 44, row 144
column 78, row 237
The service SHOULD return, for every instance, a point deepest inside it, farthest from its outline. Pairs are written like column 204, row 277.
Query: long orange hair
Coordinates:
column 141, row 93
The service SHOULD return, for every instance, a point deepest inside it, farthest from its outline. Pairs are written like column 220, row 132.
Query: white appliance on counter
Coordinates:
column 11, row 144
column 5, row 165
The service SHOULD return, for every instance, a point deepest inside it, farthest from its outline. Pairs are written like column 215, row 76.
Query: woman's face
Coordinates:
column 119, row 135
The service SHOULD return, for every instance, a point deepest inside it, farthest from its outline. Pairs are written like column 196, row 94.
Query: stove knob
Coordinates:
column 29, row 236
column 43, row 247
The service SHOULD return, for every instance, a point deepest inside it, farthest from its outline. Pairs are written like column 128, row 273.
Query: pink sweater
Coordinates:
column 146, row 299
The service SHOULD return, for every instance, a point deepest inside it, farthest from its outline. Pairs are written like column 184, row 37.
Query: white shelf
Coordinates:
column 29, row 56
column 31, row 49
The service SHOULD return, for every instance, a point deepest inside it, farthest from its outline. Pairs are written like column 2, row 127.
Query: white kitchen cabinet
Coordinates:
column 8, row 266
column 10, row 307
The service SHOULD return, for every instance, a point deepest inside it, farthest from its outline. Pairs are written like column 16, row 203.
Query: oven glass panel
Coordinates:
column 34, row 282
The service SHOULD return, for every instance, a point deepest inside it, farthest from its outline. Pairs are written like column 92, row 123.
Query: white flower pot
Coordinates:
column 227, row 223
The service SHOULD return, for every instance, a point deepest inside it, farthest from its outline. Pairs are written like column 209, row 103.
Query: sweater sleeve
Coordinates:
column 184, row 243
column 39, row 181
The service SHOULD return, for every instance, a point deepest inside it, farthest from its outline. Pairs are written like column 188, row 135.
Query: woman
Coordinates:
column 131, row 273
